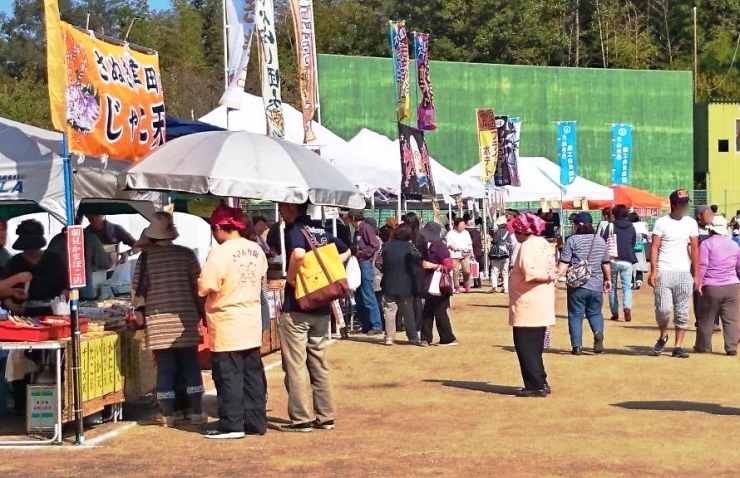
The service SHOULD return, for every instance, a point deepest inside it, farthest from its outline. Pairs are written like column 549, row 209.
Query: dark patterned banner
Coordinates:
column 502, row 175
column 425, row 112
column 416, row 170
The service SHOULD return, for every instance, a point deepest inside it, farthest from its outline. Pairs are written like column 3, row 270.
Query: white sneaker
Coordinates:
column 219, row 435
column 388, row 341
column 451, row 344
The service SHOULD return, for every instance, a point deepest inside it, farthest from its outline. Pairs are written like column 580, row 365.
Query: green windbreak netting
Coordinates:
column 358, row 92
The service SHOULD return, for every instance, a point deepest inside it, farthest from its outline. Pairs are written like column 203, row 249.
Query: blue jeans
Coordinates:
column 368, row 309
column 584, row 302
column 623, row 270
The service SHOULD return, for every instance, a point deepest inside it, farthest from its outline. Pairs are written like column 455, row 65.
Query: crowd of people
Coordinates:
column 408, row 274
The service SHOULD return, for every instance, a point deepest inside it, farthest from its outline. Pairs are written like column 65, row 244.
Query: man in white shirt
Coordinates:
column 670, row 270
column 460, row 245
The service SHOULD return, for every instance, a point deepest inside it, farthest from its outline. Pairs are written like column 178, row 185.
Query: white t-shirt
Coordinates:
column 675, row 236
column 461, row 241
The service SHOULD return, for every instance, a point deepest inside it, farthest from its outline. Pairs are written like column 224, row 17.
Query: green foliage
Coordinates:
column 631, row 34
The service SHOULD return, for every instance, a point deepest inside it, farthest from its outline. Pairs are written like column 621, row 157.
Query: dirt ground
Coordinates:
column 406, row 411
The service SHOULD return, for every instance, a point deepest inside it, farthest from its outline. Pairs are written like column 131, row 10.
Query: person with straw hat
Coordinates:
column 166, row 277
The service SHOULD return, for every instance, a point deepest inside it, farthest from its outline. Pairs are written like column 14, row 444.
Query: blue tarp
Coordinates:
column 177, row 127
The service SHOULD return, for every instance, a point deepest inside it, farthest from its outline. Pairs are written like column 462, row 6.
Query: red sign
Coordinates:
column 76, row 257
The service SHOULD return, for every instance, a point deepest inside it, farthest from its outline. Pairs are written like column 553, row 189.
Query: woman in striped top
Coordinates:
column 587, row 299
column 166, row 277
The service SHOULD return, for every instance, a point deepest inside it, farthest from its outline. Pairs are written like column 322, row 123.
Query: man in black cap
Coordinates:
column 670, row 270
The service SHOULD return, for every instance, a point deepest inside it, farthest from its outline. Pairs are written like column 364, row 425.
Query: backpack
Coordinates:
column 501, row 247
column 579, row 273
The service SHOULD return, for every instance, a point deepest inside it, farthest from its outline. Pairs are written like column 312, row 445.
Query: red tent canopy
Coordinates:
column 631, row 197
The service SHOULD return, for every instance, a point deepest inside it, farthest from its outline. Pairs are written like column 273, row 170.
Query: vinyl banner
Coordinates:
column 425, row 112
column 109, row 101
column 416, row 171
column 306, row 40
column 488, row 143
column 622, row 154
column 567, row 152
column 264, row 22
column 400, row 52
column 509, row 149
column 239, row 34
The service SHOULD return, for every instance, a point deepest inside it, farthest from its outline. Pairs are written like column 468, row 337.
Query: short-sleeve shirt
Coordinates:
column 113, row 234
column 49, row 275
column 675, row 236
column 577, row 248
column 294, row 239
column 231, row 281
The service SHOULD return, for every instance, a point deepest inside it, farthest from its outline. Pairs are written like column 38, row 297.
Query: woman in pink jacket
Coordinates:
column 532, row 301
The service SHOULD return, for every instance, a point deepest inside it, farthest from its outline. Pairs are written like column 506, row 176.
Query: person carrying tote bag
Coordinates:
column 436, row 261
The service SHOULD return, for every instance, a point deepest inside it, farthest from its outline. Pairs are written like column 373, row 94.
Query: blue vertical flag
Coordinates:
column 567, row 152
column 622, row 154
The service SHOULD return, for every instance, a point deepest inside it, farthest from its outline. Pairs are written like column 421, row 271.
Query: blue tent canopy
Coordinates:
column 177, row 127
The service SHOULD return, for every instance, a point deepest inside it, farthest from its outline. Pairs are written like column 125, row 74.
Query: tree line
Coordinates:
column 626, row 34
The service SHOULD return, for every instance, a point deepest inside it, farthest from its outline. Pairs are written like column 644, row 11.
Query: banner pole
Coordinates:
column 73, row 303
column 485, row 235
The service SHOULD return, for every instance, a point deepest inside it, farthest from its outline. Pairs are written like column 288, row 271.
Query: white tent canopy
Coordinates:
column 362, row 169
column 540, row 179
column 31, row 172
column 385, row 150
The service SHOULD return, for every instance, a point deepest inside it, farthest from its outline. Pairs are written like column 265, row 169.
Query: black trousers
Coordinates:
column 529, row 343
column 240, row 385
column 418, row 312
column 435, row 308
column 697, row 312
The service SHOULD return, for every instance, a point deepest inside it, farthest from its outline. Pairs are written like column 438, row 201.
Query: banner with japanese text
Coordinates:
column 112, row 103
column 400, row 53
column 622, row 154
column 416, row 170
column 264, row 22
column 425, row 111
column 507, row 168
column 306, row 41
column 488, row 143
column 567, row 151
column 239, row 35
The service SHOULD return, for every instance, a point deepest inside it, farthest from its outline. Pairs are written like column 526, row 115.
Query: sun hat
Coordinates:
column 161, row 229
column 721, row 230
column 431, row 231
column 501, row 220
column 224, row 215
column 30, row 236
column 720, row 221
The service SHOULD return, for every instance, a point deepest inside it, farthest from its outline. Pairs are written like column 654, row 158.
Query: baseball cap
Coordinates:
column 721, row 230
column 701, row 209
column 680, row 196
column 584, row 218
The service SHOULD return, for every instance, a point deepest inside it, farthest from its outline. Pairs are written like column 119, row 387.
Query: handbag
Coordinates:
column 474, row 269
column 579, row 273
column 322, row 277
column 441, row 283
column 611, row 243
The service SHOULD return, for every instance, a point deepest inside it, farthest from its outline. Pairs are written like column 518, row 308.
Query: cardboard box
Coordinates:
column 41, row 408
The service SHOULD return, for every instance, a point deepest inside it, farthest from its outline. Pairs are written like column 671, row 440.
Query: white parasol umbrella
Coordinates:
column 244, row 165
